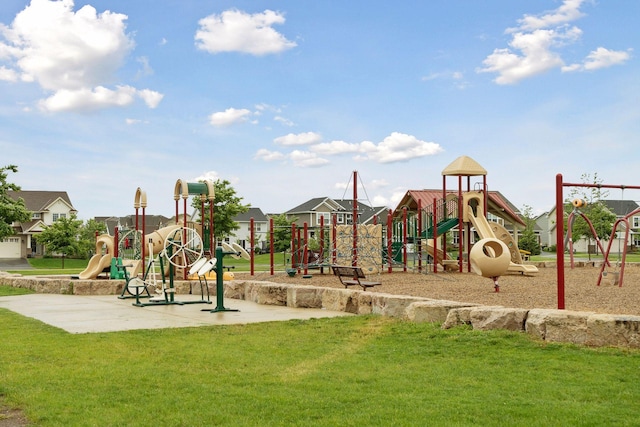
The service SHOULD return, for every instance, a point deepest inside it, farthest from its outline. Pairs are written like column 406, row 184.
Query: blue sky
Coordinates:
column 285, row 99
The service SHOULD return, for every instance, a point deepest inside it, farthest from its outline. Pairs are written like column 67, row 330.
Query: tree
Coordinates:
column 282, row 233
column 87, row 238
column 10, row 210
column 601, row 218
column 63, row 236
column 529, row 241
column 226, row 206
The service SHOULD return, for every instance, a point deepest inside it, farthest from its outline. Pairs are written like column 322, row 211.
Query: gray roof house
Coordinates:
column 46, row 207
column 621, row 208
column 151, row 222
column 313, row 210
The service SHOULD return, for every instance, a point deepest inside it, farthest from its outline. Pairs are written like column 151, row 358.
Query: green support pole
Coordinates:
column 219, row 283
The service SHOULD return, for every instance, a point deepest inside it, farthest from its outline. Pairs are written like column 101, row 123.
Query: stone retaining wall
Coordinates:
column 585, row 328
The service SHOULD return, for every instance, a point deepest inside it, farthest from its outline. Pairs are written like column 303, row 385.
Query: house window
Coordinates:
column 494, row 218
column 58, row 216
column 258, row 226
column 455, row 238
column 36, row 215
column 340, row 218
column 636, row 222
column 322, row 217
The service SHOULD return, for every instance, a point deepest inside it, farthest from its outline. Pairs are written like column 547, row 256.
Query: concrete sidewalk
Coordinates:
column 84, row 314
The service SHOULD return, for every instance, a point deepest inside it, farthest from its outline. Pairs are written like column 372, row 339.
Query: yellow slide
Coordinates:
column 473, row 212
column 99, row 261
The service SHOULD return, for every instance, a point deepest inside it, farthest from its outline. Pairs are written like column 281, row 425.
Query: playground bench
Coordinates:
column 354, row 275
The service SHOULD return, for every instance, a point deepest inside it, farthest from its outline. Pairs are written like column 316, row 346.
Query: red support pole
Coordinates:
column 293, row 245
column 333, row 238
column 559, row 241
column 252, row 240
column 419, row 235
column 389, row 239
column 211, row 230
column 184, row 213
column 305, row 249
column 404, row 239
column 321, row 257
column 435, row 237
column 271, row 245
column 116, row 236
column 460, row 224
column 354, row 261
column 627, row 227
column 143, row 240
column 298, row 244
column 184, row 233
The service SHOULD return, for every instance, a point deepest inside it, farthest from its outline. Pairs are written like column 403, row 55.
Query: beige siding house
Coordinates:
column 46, row 207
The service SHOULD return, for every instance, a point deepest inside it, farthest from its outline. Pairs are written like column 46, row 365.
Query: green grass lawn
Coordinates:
column 355, row 371
column 551, row 256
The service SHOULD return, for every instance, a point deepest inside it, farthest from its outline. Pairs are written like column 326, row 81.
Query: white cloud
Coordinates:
column 237, row 31
column 535, row 43
column 399, row 147
column 569, row 11
column 335, row 147
column 150, row 97
column 146, row 69
column 268, row 156
column 8, row 75
column 378, row 183
column 306, row 159
column 210, row 176
column 283, row 120
column 85, row 100
column 600, row 58
column 71, row 54
column 229, row 116
column 305, row 138
column 537, row 56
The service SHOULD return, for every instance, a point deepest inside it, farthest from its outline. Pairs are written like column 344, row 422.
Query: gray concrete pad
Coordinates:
column 83, row 314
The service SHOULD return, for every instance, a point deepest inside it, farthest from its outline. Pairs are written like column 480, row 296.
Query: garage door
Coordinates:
column 10, row 247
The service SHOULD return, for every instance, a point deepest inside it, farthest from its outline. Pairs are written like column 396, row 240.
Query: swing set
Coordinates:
column 619, row 273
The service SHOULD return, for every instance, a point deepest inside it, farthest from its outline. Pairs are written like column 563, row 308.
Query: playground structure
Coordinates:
column 180, row 245
column 423, row 230
column 149, row 263
column 181, row 252
column 618, row 273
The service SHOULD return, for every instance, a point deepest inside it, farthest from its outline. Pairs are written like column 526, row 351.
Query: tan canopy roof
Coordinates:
column 464, row 166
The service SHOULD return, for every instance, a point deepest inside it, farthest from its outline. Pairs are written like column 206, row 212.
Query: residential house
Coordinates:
column 621, row 209
column 151, row 222
column 322, row 210
column 542, row 227
column 46, row 207
column 261, row 225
